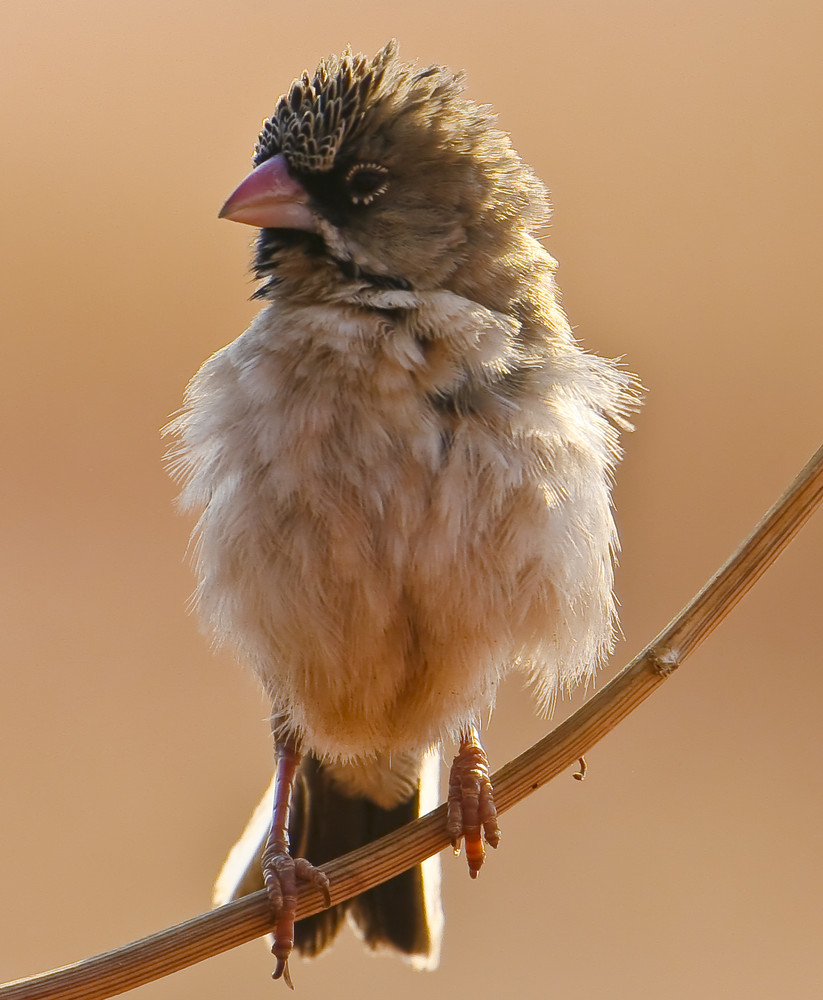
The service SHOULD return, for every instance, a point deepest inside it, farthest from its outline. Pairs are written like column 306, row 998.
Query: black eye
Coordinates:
column 365, row 182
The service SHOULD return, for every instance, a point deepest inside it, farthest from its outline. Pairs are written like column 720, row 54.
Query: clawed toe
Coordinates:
column 471, row 810
column 281, row 873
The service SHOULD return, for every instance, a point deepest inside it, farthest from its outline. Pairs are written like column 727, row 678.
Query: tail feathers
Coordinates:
column 394, row 915
column 402, row 914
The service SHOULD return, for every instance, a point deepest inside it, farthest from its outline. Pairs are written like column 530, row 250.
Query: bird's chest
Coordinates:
column 336, row 447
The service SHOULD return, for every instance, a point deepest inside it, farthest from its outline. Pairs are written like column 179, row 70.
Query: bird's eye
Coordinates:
column 365, row 182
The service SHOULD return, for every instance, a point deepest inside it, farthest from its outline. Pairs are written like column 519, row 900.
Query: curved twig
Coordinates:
column 209, row 934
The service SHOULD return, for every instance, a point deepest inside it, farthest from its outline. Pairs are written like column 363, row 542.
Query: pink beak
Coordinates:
column 271, row 199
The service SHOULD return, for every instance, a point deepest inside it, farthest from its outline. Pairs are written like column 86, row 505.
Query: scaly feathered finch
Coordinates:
column 403, row 472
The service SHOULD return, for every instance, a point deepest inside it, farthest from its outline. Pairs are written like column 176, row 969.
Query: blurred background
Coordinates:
column 682, row 145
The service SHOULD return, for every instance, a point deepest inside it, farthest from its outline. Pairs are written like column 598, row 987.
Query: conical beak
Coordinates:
column 271, row 199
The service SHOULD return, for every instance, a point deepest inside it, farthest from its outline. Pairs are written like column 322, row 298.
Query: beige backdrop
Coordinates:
column 682, row 144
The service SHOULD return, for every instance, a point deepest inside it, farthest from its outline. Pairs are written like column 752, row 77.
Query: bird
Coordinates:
column 402, row 475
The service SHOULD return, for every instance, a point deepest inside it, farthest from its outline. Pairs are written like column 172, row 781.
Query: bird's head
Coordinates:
column 389, row 173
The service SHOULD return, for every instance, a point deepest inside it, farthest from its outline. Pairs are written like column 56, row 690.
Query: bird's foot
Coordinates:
column 281, row 873
column 471, row 806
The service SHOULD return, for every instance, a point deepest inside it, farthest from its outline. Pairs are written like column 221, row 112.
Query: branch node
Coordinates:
column 665, row 662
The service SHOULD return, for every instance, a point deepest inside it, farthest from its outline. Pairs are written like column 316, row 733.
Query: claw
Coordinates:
column 282, row 969
column 281, row 871
column 471, row 806
column 306, row 871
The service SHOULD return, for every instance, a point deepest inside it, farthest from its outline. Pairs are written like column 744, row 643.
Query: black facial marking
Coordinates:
column 354, row 273
column 271, row 242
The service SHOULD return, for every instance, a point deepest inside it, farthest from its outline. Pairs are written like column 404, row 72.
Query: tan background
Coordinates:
column 682, row 144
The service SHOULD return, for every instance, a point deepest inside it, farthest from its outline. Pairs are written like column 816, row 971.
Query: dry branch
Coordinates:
column 209, row 934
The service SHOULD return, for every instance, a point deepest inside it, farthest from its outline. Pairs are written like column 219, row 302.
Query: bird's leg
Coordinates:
column 280, row 870
column 471, row 801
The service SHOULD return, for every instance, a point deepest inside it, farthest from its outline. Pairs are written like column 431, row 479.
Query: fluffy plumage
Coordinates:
column 403, row 466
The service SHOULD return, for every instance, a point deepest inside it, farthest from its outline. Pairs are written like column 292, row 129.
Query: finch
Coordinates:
column 402, row 471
